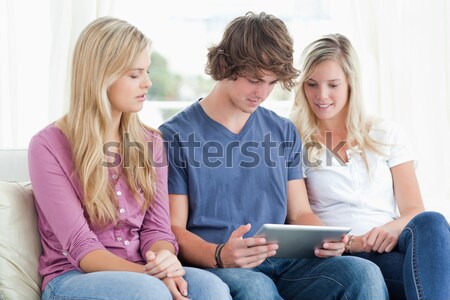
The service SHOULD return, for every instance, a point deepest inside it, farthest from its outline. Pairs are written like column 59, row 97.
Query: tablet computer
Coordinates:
column 300, row 240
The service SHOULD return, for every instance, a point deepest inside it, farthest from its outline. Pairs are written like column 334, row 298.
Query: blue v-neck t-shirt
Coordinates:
column 231, row 179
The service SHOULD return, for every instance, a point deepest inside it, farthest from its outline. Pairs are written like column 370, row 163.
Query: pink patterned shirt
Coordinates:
column 66, row 234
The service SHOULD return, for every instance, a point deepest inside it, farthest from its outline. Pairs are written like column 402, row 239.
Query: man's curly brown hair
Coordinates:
column 251, row 45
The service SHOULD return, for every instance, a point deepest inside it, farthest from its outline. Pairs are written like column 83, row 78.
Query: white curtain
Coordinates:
column 404, row 47
column 36, row 39
column 68, row 18
column 23, row 63
column 405, row 50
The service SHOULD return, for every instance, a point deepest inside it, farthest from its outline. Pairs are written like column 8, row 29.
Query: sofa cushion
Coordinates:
column 19, row 243
column 14, row 165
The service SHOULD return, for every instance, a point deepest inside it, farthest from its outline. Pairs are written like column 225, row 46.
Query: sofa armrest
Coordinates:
column 20, row 245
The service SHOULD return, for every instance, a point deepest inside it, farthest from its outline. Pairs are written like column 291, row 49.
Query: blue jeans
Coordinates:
column 283, row 278
column 419, row 267
column 109, row 285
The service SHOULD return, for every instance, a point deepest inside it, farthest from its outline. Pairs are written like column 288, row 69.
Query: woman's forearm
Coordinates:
column 103, row 260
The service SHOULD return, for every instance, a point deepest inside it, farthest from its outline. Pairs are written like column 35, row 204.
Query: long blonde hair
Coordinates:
column 338, row 48
column 105, row 50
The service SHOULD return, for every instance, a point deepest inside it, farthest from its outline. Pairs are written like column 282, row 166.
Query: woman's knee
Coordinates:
column 429, row 221
column 106, row 285
column 142, row 286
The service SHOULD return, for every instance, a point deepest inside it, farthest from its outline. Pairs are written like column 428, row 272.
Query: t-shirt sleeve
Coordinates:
column 177, row 177
column 400, row 150
column 295, row 156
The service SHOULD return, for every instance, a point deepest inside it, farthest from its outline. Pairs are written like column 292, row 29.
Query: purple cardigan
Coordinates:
column 66, row 234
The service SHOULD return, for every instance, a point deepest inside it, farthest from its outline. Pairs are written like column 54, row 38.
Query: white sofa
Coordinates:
column 19, row 237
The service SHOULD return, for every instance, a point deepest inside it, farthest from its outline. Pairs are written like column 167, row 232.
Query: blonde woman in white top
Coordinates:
column 360, row 172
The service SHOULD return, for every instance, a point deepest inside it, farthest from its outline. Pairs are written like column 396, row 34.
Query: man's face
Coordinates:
column 247, row 92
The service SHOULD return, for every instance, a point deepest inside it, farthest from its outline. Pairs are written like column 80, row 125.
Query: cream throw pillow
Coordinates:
column 19, row 243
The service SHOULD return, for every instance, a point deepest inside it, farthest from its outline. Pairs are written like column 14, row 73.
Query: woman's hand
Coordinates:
column 380, row 239
column 177, row 287
column 330, row 249
column 162, row 264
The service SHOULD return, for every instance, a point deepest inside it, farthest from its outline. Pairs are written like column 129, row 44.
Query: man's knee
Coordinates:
column 205, row 285
column 257, row 286
column 364, row 278
column 359, row 270
column 248, row 284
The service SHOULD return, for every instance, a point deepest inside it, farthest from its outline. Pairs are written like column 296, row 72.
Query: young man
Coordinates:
column 234, row 166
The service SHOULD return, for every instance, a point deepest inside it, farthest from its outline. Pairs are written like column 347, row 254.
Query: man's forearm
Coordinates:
column 194, row 250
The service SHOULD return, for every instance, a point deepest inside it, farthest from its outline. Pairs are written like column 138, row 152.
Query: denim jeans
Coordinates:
column 283, row 278
column 115, row 285
column 419, row 267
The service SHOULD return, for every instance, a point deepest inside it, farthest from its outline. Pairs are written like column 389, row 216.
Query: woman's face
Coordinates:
column 327, row 91
column 128, row 93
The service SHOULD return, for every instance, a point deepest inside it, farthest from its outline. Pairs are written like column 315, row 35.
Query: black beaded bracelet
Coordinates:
column 219, row 248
